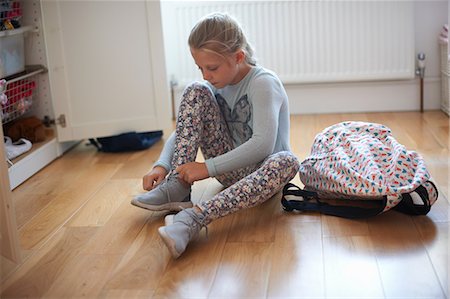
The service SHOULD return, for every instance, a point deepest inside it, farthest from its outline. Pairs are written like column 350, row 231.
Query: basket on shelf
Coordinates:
column 16, row 97
column 10, row 14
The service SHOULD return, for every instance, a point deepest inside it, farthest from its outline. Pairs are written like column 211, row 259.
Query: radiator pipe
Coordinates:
column 173, row 84
column 420, row 71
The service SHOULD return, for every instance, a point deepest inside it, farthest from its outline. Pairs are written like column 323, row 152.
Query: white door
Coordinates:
column 106, row 66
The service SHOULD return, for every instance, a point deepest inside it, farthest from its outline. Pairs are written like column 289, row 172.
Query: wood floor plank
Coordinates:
column 60, row 174
column 340, row 227
column 256, row 224
column 351, row 269
column 38, row 279
column 104, row 203
column 7, row 267
column 393, row 224
column 392, row 121
column 422, row 135
column 31, row 260
column 406, row 272
column 303, row 133
column 193, row 274
column 243, row 271
column 437, row 162
column 354, row 117
column 441, row 133
column 113, row 158
column 143, row 264
column 139, row 163
column 83, row 277
column 297, row 259
column 126, row 294
column 28, row 206
column 119, row 233
column 327, row 120
column 437, row 243
column 399, row 250
column 64, row 205
column 440, row 211
column 38, row 191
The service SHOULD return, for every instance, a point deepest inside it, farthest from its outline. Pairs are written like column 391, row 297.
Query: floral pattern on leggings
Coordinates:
column 200, row 124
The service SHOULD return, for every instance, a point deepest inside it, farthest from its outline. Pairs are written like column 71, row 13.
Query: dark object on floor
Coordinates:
column 131, row 141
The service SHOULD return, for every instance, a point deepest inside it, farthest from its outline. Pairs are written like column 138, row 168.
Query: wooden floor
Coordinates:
column 82, row 238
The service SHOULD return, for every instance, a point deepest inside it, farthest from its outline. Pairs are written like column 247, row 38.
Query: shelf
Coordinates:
column 24, row 166
column 30, row 70
column 23, row 29
column 40, row 155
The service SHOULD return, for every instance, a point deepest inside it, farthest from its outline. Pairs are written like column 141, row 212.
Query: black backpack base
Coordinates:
column 295, row 198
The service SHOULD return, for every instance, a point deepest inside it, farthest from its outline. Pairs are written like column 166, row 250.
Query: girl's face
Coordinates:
column 219, row 70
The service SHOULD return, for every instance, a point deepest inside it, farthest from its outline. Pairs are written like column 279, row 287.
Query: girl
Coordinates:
column 239, row 118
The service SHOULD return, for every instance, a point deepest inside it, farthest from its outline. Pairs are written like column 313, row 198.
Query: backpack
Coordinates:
column 359, row 170
column 130, row 141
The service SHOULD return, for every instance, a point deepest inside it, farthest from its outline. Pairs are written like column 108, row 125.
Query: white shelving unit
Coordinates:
column 99, row 86
column 39, row 105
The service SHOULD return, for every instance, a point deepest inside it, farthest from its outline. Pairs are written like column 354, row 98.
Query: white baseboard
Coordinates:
column 377, row 96
column 363, row 96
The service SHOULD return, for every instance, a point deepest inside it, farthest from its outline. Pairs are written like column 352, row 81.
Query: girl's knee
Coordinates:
column 197, row 88
column 287, row 158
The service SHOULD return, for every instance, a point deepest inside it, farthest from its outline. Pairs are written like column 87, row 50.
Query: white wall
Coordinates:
column 374, row 96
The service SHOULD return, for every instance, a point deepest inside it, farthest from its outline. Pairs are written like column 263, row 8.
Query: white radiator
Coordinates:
column 311, row 41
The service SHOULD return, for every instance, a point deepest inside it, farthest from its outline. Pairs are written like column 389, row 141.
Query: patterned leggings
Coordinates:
column 200, row 124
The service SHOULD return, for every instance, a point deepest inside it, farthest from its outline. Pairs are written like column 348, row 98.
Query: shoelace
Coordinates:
column 164, row 186
column 197, row 222
column 165, row 189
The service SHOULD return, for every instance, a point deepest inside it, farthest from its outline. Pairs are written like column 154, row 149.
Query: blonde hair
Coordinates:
column 221, row 34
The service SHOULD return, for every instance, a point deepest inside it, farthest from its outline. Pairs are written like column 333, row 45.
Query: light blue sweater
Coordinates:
column 257, row 113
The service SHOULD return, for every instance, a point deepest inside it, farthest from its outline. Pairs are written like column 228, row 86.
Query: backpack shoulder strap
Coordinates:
column 95, row 143
column 417, row 202
column 310, row 201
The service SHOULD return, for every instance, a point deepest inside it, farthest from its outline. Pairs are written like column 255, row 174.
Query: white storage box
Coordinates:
column 12, row 55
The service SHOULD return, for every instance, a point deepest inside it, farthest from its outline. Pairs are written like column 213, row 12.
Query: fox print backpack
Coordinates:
column 358, row 170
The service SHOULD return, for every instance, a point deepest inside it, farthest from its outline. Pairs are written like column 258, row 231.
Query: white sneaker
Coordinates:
column 170, row 195
column 180, row 229
column 15, row 149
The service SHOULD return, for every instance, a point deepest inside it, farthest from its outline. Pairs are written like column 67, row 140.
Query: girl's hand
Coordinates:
column 154, row 178
column 192, row 171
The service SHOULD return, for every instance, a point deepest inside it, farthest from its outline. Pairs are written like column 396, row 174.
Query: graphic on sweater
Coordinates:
column 237, row 119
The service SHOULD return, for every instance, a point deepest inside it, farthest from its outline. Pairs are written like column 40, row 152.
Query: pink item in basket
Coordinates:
column 20, row 90
column 3, row 99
